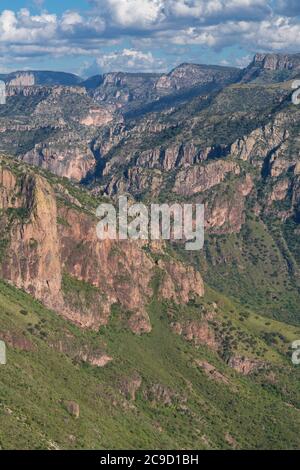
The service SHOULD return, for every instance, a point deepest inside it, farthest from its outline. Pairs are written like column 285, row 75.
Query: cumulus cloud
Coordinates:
column 135, row 13
column 218, row 10
column 278, row 34
column 144, row 14
column 23, row 34
column 22, row 28
column 127, row 60
column 140, row 26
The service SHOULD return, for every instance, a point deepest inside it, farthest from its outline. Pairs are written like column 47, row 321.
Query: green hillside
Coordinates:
column 177, row 405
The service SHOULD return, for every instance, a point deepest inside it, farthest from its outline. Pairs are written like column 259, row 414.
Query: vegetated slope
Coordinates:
column 238, row 153
column 159, row 391
column 208, row 373
column 153, row 358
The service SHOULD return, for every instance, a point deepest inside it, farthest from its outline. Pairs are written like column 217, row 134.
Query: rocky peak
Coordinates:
column 189, row 75
column 22, row 79
column 276, row 61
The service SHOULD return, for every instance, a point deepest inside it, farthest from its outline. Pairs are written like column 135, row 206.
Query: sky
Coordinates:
column 88, row 37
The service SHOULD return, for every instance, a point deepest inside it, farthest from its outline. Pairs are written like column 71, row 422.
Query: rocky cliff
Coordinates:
column 51, row 250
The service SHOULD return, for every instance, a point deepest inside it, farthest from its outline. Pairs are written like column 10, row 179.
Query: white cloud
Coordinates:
column 276, row 34
column 129, row 60
column 143, row 14
column 205, row 9
column 146, row 24
column 137, row 13
column 23, row 28
column 71, row 18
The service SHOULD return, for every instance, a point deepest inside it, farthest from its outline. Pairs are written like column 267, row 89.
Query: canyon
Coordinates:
column 105, row 336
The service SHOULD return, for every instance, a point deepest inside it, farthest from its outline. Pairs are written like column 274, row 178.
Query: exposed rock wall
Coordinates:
column 44, row 241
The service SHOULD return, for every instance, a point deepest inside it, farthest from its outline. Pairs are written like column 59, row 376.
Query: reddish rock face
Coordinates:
column 97, row 117
column 40, row 250
column 197, row 179
column 32, row 257
column 129, row 386
column 17, row 340
column 73, row 408
column 73, row 164
column 211, row 371
column 245, row 365
column 197, row 332
column 180, row 282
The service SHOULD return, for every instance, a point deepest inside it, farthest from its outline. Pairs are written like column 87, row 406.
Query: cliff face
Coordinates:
column 31, row 257
column 233, row 149
column 32, row 78
column 73, row 163
column 276, row 61
column 53, row 126
column 52, row 251
column 272, row 67
column 130, row 123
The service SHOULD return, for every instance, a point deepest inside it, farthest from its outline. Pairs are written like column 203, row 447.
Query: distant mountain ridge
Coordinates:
column 37, row 77
column 181, row 76
column 272, row 67
column 148, row 345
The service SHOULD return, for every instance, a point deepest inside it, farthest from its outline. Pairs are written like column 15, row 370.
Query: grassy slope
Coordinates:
column 35, row 384
column 257, row 268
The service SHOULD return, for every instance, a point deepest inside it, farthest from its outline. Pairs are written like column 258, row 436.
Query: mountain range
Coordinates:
column 135, row 344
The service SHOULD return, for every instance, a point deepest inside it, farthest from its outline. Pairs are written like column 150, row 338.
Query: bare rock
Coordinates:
column 130, row 385
column 18, row 341
column 73, row 408
column 245, row 365
column 211, row 371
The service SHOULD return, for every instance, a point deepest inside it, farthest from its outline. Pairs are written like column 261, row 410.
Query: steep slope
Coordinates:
column 138, row 94
column 236, row 151
column 53, row 127
column 50, row 249
column 272, row 68
column 69, row 388
column 125, row 346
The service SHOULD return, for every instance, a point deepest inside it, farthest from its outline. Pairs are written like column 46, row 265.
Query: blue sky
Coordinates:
column 96, row 36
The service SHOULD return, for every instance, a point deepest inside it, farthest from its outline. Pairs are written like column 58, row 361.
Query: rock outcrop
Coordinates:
column 197, row 332
column 200, row 178
column 180, row 282
column 32, row 259
column 211, row 371
column 74, row 163
column 17, row 340
column 245, row 365
column 73, row 408
column 52, row 251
